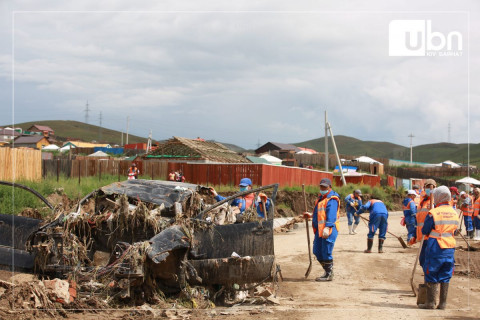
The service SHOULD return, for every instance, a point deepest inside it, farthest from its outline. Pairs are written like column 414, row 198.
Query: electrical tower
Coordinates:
column 86, row 112
column 449, row 136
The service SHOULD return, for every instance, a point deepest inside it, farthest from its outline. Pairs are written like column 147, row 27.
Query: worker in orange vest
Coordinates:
column 417, row 192
column 325, row 224
column 439, row 226
column 133, row 172
column 426, row 203
column 410, row 212
column 467, row 209
column 171, row 176
column 476, row 212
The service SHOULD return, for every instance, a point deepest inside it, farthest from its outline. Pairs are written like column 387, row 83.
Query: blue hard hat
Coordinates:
column 245, row 182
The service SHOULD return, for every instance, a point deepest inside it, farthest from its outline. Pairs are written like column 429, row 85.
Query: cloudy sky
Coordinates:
column 242, row 72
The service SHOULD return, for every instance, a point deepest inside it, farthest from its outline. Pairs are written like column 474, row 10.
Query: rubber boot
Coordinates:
column 350, row 229
column 470, row 234
column 354, row 227
column 431, row 294
column 328, row 276
column 477, row 235
column 369, row 246
column 443, row 295
column 380, row 245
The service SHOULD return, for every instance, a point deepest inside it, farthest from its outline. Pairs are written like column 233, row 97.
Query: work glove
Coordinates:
column 307, row 215
column 325, row 233
column 355, row 204
column 263, row 197
column 412, row 241
column 213, row 192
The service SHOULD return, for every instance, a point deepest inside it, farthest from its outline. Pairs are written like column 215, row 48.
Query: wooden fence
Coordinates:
column 20, row 164
column 86, row 167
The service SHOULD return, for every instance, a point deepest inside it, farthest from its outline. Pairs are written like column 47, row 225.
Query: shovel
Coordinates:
column 404, row 245
column 415, row 267
column 308, row 233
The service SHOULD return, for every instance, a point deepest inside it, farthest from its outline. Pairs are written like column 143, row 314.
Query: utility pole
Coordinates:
column 121, row 139
column 100, row 127
column 336, row 154
column 326, row 141
column 128, row 122
column 411, row 150
column 149, row 143
column 86, row 112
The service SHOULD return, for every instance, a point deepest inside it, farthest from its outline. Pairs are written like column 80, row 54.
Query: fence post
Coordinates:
column 58, row 169
column 79, row 171
column 118, row 170
column 99, row 170
column 208, row 172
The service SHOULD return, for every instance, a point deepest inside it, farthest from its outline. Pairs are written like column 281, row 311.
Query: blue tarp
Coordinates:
column 109, row 150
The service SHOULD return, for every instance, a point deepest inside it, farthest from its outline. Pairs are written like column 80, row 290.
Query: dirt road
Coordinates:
column 365, row 286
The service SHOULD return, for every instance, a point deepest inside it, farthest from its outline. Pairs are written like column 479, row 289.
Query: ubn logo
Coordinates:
column 415, row 38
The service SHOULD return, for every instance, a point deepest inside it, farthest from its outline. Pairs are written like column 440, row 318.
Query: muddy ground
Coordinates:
column 366, row 286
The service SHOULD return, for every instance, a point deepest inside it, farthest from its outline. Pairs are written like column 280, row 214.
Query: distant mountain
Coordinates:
column 430, row 153
column 351, row 146
column 79, row 130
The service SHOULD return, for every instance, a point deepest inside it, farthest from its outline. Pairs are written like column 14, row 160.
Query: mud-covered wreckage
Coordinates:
column 152, row 235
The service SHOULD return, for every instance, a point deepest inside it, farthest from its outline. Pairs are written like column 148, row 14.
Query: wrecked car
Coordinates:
column 139, row 236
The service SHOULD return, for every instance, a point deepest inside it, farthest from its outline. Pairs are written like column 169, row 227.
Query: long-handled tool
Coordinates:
column 404, row 245
column 415, row 267
column 308, row 233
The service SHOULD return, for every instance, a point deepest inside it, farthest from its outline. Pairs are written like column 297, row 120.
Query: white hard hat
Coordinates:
column 411, row 192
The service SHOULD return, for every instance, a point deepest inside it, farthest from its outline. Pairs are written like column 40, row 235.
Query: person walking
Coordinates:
column 467, row 209
column 410, row 212
column 352, row 202
column 439, row 226
column 325, row 224
column 378, row 220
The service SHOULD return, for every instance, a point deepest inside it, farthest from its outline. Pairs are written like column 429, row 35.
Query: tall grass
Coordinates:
column 15, row 200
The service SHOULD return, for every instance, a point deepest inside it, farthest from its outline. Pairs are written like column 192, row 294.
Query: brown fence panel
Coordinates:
column 20, row 164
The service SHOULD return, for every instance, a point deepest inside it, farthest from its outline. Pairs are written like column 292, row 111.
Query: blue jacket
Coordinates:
column 348, row 203
column 412, row 208
column 331, row 213
column 378, row 208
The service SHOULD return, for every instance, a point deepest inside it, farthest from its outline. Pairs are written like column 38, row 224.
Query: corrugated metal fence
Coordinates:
column 260, row 174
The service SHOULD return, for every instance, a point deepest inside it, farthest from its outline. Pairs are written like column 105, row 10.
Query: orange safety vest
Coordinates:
column 467, row 209
column 132, row 171
column 322, row 215
column 407, row 207
column 476, row 207
column 446, row 222
column 422, row 214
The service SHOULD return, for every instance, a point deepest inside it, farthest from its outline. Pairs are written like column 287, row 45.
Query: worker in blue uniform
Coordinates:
column 409, row 213
column 378, row 220
column 440, row 226
column 246, row 201
column 325, row 224
column 352, row 202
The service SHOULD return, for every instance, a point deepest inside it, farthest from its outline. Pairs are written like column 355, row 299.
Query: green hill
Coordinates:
column 65, row 129
column 352, row 146
column 430, row 153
